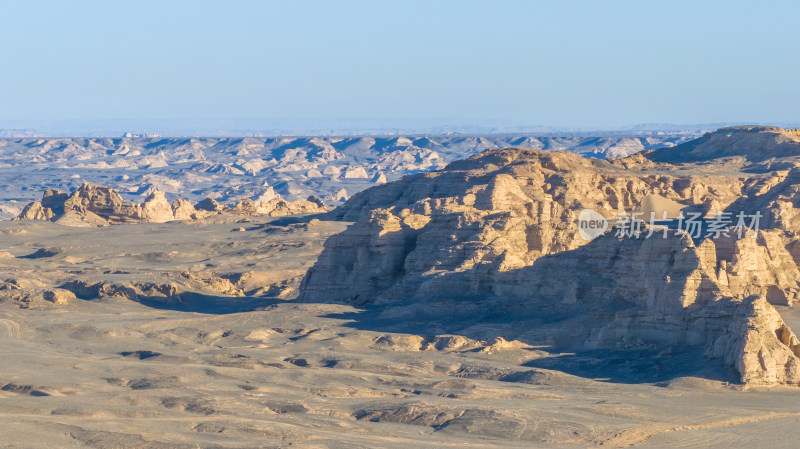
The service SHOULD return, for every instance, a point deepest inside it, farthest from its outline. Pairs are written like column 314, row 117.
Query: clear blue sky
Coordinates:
column 558, row 63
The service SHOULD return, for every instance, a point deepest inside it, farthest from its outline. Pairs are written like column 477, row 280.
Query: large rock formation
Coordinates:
column 93, row 205
column 500, row 230
column 754, row 143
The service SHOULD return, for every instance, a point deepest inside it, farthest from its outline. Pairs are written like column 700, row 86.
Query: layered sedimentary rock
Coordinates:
column 93, row 205
column 754, row 143
column 278, row 207
column 35, row 211
column 156, row 208
column 500, row 229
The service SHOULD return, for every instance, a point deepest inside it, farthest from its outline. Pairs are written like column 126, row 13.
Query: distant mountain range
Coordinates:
column 256, row 127
column 229, row 169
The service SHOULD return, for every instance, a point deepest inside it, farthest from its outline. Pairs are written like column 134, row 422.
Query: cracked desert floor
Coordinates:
column 231, row 370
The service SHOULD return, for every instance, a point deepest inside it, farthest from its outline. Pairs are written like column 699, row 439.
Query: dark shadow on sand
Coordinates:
column 557, row 329
column 199, row 303
column 645, row 364
column 208, row 304
column 649, row 364
column 558, row 325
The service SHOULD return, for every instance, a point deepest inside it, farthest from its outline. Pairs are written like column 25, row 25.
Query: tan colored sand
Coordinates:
column 660, row 207
column 214, row 370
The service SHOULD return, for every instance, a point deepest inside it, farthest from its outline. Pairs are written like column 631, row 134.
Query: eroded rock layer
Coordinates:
column 500, row 230
column 93, row 205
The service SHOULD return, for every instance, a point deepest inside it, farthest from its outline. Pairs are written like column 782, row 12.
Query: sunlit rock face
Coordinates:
column 500, row 229
column 93, row 205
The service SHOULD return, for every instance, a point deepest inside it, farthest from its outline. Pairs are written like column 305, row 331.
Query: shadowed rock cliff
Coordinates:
column 498, row 232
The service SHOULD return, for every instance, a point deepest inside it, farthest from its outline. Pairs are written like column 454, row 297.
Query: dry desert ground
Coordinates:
column 221, row 370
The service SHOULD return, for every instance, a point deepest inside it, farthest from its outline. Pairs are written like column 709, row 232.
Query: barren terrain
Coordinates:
column 229, row 169
column 206, row 369
column 454, row 308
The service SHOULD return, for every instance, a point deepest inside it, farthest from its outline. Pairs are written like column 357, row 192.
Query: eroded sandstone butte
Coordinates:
column 94, row 205
column 496, row 236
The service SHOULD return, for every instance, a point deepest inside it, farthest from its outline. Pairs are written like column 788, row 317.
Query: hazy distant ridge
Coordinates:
column 229, row 169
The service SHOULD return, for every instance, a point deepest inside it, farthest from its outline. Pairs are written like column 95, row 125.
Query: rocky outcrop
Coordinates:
column 93, row 205
column 54, row 200
column 156, row 208
column 35, row 211
column 280, row 207
column 754, row 143
column 210, row 205
column 228, row 169
column 500, row 230
column 185, row 210
column 759, row 344
column 104, row 202
column 499, row 211
column 28, row 293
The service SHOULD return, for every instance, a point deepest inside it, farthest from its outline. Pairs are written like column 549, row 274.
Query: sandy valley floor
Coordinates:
column 237, row 364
